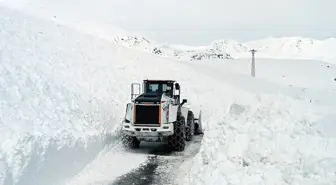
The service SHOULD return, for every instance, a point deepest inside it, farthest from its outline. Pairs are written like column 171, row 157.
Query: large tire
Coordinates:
column 190, row 126
column 177, row 141
column 130, row 142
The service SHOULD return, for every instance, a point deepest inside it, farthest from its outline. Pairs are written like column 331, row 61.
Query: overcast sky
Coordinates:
column 201, row 21
column 198, row 22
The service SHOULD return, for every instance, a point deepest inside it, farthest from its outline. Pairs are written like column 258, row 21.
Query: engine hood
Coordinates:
column 149, row 97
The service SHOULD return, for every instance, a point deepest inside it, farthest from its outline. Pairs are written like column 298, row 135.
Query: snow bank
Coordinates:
column 46, row 121
column 276, row 133
column 272, row 140
column 111, row 163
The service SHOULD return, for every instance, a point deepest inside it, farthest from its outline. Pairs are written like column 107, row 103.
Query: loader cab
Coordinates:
column 155, row 88
column 152, row 90
column 159, row 87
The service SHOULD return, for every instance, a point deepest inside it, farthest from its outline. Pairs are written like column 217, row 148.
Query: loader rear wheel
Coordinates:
column 190, row 126
column 130, row 141
column 177, row 141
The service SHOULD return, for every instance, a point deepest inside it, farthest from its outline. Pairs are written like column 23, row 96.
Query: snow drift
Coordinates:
column 279, row 136
column 269, row 141
column 48, row 116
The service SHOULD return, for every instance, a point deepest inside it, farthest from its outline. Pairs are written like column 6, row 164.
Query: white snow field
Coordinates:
column 63, row 94
column 286, row 135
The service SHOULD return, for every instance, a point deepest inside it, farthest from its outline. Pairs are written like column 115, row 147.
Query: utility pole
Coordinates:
column 253, row 51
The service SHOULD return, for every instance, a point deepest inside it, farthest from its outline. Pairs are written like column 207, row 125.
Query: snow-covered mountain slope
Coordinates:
column 232, row 47
column 175, row 52
column 276, row 48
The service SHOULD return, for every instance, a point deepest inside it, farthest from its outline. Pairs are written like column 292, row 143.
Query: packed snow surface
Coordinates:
column 63, row 94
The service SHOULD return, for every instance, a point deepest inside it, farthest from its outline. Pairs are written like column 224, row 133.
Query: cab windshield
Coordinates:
column 158, row 87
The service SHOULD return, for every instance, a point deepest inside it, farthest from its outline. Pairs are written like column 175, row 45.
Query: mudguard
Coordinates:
column 199, row 122
column 184, row 111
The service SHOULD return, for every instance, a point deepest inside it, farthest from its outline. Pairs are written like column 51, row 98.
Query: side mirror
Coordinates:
column 177, row 86
column 184, row 101
column 135, row 90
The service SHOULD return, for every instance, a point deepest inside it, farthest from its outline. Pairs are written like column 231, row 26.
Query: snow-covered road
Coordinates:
column 162, row 167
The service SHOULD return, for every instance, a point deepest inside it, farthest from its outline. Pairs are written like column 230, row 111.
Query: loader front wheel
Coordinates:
column 130, row 141
column 190, row 126
column 177, row 141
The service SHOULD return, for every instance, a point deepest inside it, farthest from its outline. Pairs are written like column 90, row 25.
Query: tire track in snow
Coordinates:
column 161, row 166
column 141, row 176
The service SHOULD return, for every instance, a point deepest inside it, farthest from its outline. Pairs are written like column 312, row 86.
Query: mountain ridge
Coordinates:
column 269, row 47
